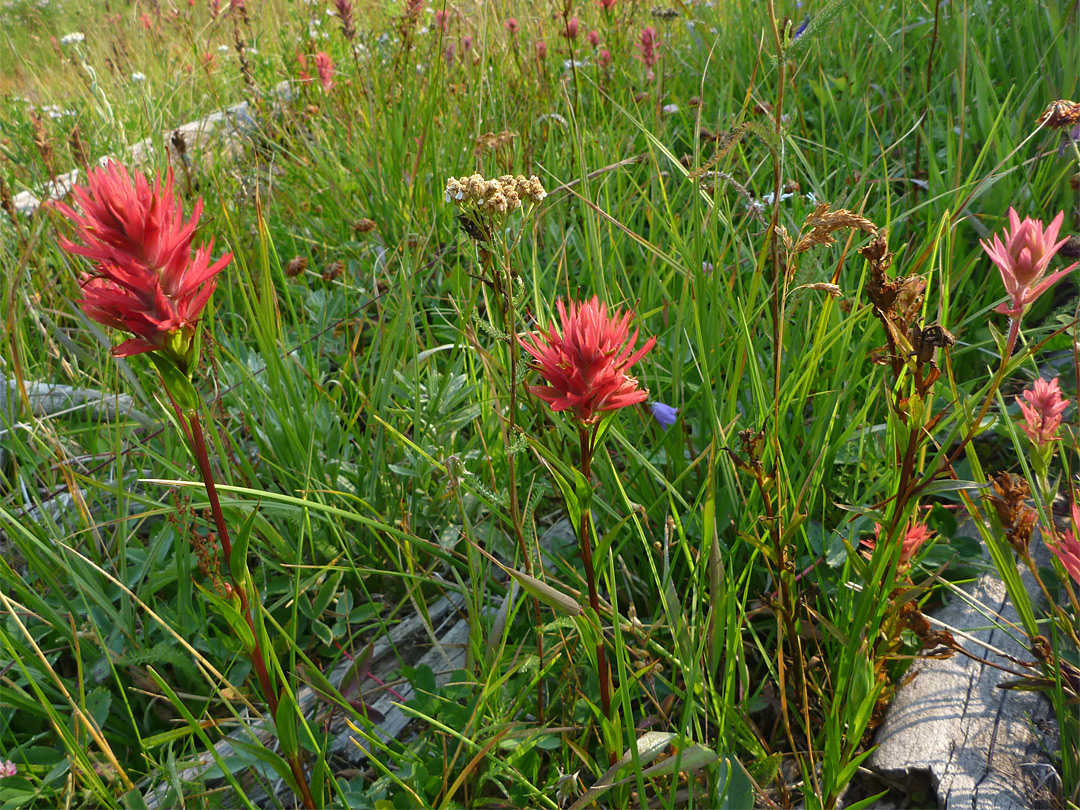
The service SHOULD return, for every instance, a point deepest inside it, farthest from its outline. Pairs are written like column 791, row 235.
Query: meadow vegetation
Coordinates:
column 693, row 352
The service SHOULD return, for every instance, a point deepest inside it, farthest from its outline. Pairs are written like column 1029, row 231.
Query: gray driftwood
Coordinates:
column 952, row 733
column 440, row 645
column 49, row 400
column 222, row 132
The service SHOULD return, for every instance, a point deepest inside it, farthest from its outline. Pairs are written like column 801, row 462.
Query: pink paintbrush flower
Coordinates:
column 648, row 47
column 325, row 67
column 914, row 536
column 146, row 280
column 1066, row 547
column 593, row 37
column 1042, row 411
column 572, row 27
column 1022, row 260
column 512, row 26
column 586, row 365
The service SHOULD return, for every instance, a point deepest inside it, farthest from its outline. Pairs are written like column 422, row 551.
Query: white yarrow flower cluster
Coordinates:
column 503, row 195
column 72, row 38
column 138, row 77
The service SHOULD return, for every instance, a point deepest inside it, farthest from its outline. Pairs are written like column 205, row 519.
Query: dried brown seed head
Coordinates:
column 296, row 266
column 1060, row 114
column 333, row 271
column 822, row 223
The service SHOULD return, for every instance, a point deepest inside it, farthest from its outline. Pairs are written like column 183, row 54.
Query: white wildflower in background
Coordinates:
column 137, row 77
column 52, row 111
column 223, row 48
column 72, row 38
column 670, row 109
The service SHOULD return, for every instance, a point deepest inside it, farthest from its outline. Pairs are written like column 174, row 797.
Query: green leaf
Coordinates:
column 324, row 633
column 177, row 382
column 238, row 559
column 602, row 428
column 133, row 800
column 564, row 603
column 948, row 485
column 734, row 789
column 233, row 616
column 285, row 720
column 260, row 752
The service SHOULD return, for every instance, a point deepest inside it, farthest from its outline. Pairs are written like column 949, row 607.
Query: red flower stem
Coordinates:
column 602, row 671
column 256, row 654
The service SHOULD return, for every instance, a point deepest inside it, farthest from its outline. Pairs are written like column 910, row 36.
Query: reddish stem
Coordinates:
column 602, row 671
column 198, row 443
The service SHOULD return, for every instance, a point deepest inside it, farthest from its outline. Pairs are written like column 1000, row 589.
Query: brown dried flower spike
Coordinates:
column 296, row 266
column 819, row 226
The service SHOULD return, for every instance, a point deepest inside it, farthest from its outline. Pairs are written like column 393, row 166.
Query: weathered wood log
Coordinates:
column 952, row 733
column 52, row 399
column 440, row 645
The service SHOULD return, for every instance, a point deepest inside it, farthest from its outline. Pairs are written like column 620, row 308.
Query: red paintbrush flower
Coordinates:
column 914, row 536
column 585, row 367
column 146, row 281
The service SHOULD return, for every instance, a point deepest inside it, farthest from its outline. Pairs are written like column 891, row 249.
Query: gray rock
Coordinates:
column 952, row 732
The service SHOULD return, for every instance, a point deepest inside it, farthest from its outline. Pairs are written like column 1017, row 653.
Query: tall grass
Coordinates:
column 360, row 408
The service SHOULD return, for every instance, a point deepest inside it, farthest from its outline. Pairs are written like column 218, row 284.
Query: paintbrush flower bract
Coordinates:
column 1022, row 259
column 585, row 363
column 147, row 280
column 1042, row 407
column 1066, row 546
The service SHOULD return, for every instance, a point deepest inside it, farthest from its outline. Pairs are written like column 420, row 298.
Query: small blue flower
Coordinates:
column 802, row 28
column 664, row 414
column 1067, row 138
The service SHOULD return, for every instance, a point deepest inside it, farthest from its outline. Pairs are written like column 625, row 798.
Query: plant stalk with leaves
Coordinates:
column 147, row 282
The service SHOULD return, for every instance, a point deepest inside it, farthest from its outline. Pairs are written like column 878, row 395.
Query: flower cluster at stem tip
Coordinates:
column 503, row 195
column 1042, row 407
column 586, row 364
column 914, row 536
column 146, row 279
column 1022, row 259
